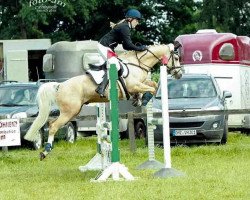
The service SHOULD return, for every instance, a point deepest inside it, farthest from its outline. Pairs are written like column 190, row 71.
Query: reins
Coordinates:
column 139, row 60
column 148, row 68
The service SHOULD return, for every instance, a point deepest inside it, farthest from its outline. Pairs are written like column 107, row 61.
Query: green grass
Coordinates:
column 212, row 172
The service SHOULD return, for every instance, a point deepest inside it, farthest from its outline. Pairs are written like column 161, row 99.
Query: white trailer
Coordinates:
column 226, row 57
column 22, row 60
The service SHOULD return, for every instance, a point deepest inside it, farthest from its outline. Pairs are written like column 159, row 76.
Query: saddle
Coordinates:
column 96, row 72
column 98, row 67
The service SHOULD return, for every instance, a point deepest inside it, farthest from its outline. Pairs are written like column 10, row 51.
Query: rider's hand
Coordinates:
column 143, row 48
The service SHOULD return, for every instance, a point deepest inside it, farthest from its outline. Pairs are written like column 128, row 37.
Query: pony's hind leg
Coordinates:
column 53, row 128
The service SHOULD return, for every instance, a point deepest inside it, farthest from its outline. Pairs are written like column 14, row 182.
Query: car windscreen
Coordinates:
column 17, row 96
column 189, row 88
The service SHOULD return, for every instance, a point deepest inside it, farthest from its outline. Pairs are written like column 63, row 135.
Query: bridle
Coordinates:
column 148, row 69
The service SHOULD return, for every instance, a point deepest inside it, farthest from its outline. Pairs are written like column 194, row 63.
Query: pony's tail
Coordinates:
column 45, row 98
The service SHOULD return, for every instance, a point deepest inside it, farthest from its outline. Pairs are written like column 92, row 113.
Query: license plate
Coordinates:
column 184, row 132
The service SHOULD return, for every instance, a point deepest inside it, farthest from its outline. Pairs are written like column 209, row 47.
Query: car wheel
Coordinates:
column 225, row 133
column 140, row 130
column 70, row 133
column 38, row 144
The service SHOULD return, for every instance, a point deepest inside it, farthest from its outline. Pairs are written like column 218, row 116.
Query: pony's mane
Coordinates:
column 132, row 52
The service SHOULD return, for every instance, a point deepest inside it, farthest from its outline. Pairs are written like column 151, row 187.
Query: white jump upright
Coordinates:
column 167, row 170
column 102, row 158
column 115, row 169
column 151, row 163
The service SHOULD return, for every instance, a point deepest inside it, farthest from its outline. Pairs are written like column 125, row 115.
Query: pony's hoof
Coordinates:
column 137, row 103
column 42, row 156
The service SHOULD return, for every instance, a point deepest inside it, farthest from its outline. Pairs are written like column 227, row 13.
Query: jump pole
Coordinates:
column 115, row 169
column 167, row 170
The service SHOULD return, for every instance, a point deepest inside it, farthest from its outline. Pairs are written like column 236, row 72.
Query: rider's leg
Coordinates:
column 147, row 95
column 146, row 98
column 102, row 86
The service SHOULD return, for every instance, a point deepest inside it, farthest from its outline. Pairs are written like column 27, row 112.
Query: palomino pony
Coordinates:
column 70, row 95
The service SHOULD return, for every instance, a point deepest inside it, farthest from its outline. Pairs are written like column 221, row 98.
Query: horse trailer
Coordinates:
column 226, row 56
column 22, row 60
column 64, row 60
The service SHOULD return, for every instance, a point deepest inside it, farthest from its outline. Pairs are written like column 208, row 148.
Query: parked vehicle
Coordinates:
column 18, row 101
column 88, row 127
column 225, row 56
column 24, row 56
column 194, row 92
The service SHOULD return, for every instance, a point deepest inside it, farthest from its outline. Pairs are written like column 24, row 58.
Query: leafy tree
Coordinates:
column 18, row 20
column 41, row 18
column 163, row 20
column 226, row 16
column 166, row 19
column 81, row 19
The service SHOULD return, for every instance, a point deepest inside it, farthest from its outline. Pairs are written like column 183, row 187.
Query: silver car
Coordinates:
column 194, row 92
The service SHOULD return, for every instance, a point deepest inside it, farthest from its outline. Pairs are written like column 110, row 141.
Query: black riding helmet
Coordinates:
column 133, row 13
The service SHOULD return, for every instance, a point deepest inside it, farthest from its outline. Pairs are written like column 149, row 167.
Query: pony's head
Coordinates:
column 173, row 62
column 166, row 54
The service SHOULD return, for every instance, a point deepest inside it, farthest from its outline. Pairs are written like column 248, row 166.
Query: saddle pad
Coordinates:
column 96, row 75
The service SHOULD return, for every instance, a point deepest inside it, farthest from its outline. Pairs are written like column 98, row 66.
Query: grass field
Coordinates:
column 212, row 172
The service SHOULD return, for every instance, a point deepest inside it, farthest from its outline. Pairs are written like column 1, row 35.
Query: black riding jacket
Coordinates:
column 120, row 34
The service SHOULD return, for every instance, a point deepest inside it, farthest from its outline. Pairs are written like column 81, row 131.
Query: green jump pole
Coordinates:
column 114, row 114
column 116, row 168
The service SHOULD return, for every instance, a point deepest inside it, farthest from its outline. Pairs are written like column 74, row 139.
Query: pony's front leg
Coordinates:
column 137, row 99
column 146, row 91
column 142, row 88
column 47, row 147
column 151, row 84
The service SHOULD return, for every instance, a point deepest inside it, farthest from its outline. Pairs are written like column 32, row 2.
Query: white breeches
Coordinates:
column 104, row 53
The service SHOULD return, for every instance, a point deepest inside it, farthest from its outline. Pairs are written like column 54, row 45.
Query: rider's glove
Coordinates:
column 143, row 48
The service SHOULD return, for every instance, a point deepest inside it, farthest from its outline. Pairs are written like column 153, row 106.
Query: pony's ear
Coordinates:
column 171, row 47
column 112, row 24
column 177, row 45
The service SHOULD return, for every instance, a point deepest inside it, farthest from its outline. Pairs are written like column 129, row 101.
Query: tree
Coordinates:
column 226, row 16
column 163, row 20
column 41, row 18
column 166, row 19
column 18, row 20
column 81, row 20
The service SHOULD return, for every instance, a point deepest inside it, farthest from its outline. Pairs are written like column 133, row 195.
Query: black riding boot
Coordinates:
column 102, row 86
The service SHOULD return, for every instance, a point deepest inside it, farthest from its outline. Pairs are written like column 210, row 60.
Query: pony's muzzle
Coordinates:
column 176, row 73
